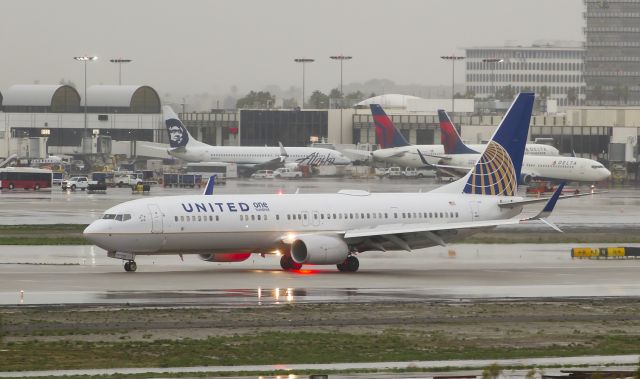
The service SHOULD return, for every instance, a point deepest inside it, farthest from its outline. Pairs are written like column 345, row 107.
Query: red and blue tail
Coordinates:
column 450, row 138
column 387, row 133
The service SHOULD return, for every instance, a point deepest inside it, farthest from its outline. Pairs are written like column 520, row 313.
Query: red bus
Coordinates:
column 25, row 178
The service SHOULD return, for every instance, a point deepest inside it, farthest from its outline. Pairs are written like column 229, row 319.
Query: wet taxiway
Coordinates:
column 83, row 274
column 619, row 207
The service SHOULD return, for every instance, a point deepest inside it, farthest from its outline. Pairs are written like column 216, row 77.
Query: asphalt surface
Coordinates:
column 84, row 274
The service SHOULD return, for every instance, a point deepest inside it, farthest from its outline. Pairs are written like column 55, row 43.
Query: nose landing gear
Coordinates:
column 130, row 266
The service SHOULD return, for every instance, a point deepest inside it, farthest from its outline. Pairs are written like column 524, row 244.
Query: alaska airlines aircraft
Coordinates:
column 185, row 147
column 327, row 229
column 457, row 158
column 397, row 151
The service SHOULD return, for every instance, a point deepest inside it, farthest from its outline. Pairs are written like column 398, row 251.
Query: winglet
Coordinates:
column 283, row 152
column 548, row 208
column 208, row 190
column 424, row 160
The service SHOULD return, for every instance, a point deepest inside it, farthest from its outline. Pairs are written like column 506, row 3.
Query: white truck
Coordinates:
column 76, row 182
column 411, row 172
column 287, row 173
column 126, row 180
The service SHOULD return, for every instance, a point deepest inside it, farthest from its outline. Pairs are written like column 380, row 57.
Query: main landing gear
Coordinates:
column 351, row 264
column 130, row 266
column 288, row 264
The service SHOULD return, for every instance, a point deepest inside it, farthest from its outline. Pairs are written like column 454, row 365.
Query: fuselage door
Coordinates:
column 305, row 218
column 315, row 218
column 475, row 209
column 156, row 218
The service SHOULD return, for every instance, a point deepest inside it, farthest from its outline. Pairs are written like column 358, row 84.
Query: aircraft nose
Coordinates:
column 95, row 232
column 606, row 173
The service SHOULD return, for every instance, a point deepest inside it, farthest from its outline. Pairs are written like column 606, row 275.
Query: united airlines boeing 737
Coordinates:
column 397, row 151
column 458, row 158
column 327, row 229
column 185, row 147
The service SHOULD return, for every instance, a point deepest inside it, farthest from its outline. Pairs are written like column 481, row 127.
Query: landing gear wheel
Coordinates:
column 130, row 266
column 351, row 264
column 288, row 264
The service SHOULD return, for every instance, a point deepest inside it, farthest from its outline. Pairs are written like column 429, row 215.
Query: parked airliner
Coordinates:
column 185, row 147
column 457, row 158
column 327, row 229
column 397, row 151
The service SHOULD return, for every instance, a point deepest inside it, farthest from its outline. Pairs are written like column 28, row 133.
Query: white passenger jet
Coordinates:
column 185, row 147
column 455, row 159
column 397, row 151
column 327, row 229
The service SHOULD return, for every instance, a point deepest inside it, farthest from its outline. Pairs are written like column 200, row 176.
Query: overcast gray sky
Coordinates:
column 189, row 46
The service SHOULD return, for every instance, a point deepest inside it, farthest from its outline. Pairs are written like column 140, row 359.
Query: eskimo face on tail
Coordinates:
column 178, row 136
column 386, row 132
column 497, row 171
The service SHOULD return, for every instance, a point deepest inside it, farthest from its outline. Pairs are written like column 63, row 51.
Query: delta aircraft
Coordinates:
column 185, row 147
column 328, row 229
column 397, row 151
column 458, row 159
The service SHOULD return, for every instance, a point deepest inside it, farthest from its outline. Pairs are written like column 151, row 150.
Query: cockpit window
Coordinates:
column 119, row 217
column 597, row 166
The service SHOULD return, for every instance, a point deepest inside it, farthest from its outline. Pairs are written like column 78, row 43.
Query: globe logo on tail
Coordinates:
column 493, row 174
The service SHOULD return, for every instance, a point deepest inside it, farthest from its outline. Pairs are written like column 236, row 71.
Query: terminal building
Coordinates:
column 612, row 57
column 37, row 120
column 552, row 70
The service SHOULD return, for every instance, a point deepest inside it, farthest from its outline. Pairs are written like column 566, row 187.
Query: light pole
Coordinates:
column 453, row 59
column 120, row 61
column 341, row 58
column 304, row 62
column 493, row 62
column 85, row 59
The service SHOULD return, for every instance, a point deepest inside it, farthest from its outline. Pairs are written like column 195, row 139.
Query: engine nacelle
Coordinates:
column 526, row 179
column 225, row 257
column 319, row 250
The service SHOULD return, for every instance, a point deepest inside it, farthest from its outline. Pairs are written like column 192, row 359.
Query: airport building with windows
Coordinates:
column 612, row 59
column 553, row 70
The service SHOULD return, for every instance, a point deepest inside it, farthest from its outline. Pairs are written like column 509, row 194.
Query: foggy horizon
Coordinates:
column 200, row 47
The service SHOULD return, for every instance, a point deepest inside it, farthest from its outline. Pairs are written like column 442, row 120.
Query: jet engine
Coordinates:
column 319, row 250
column 526, row 179
column 225, row 257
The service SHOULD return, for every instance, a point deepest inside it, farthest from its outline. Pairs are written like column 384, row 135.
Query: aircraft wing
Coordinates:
column 269, row 165
column 424, row 228
column 393, row 233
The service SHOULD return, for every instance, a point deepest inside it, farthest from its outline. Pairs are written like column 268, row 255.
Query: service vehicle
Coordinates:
column 77, row 182
column 25, row 178
column 262, row 174
column 287, row 173
column 126, row 180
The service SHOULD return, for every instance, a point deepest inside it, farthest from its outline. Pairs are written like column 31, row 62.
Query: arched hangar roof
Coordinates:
column 391, row 100
column 131, row 98
column 57, row 98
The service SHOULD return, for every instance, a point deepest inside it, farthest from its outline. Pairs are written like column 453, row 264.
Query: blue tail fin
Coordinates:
column 208, row 190
column 387, row 133
column 498, row 170
column 450, row 138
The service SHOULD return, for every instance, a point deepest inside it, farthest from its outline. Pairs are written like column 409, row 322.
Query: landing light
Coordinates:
column 289, row 238
column 276, row 252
